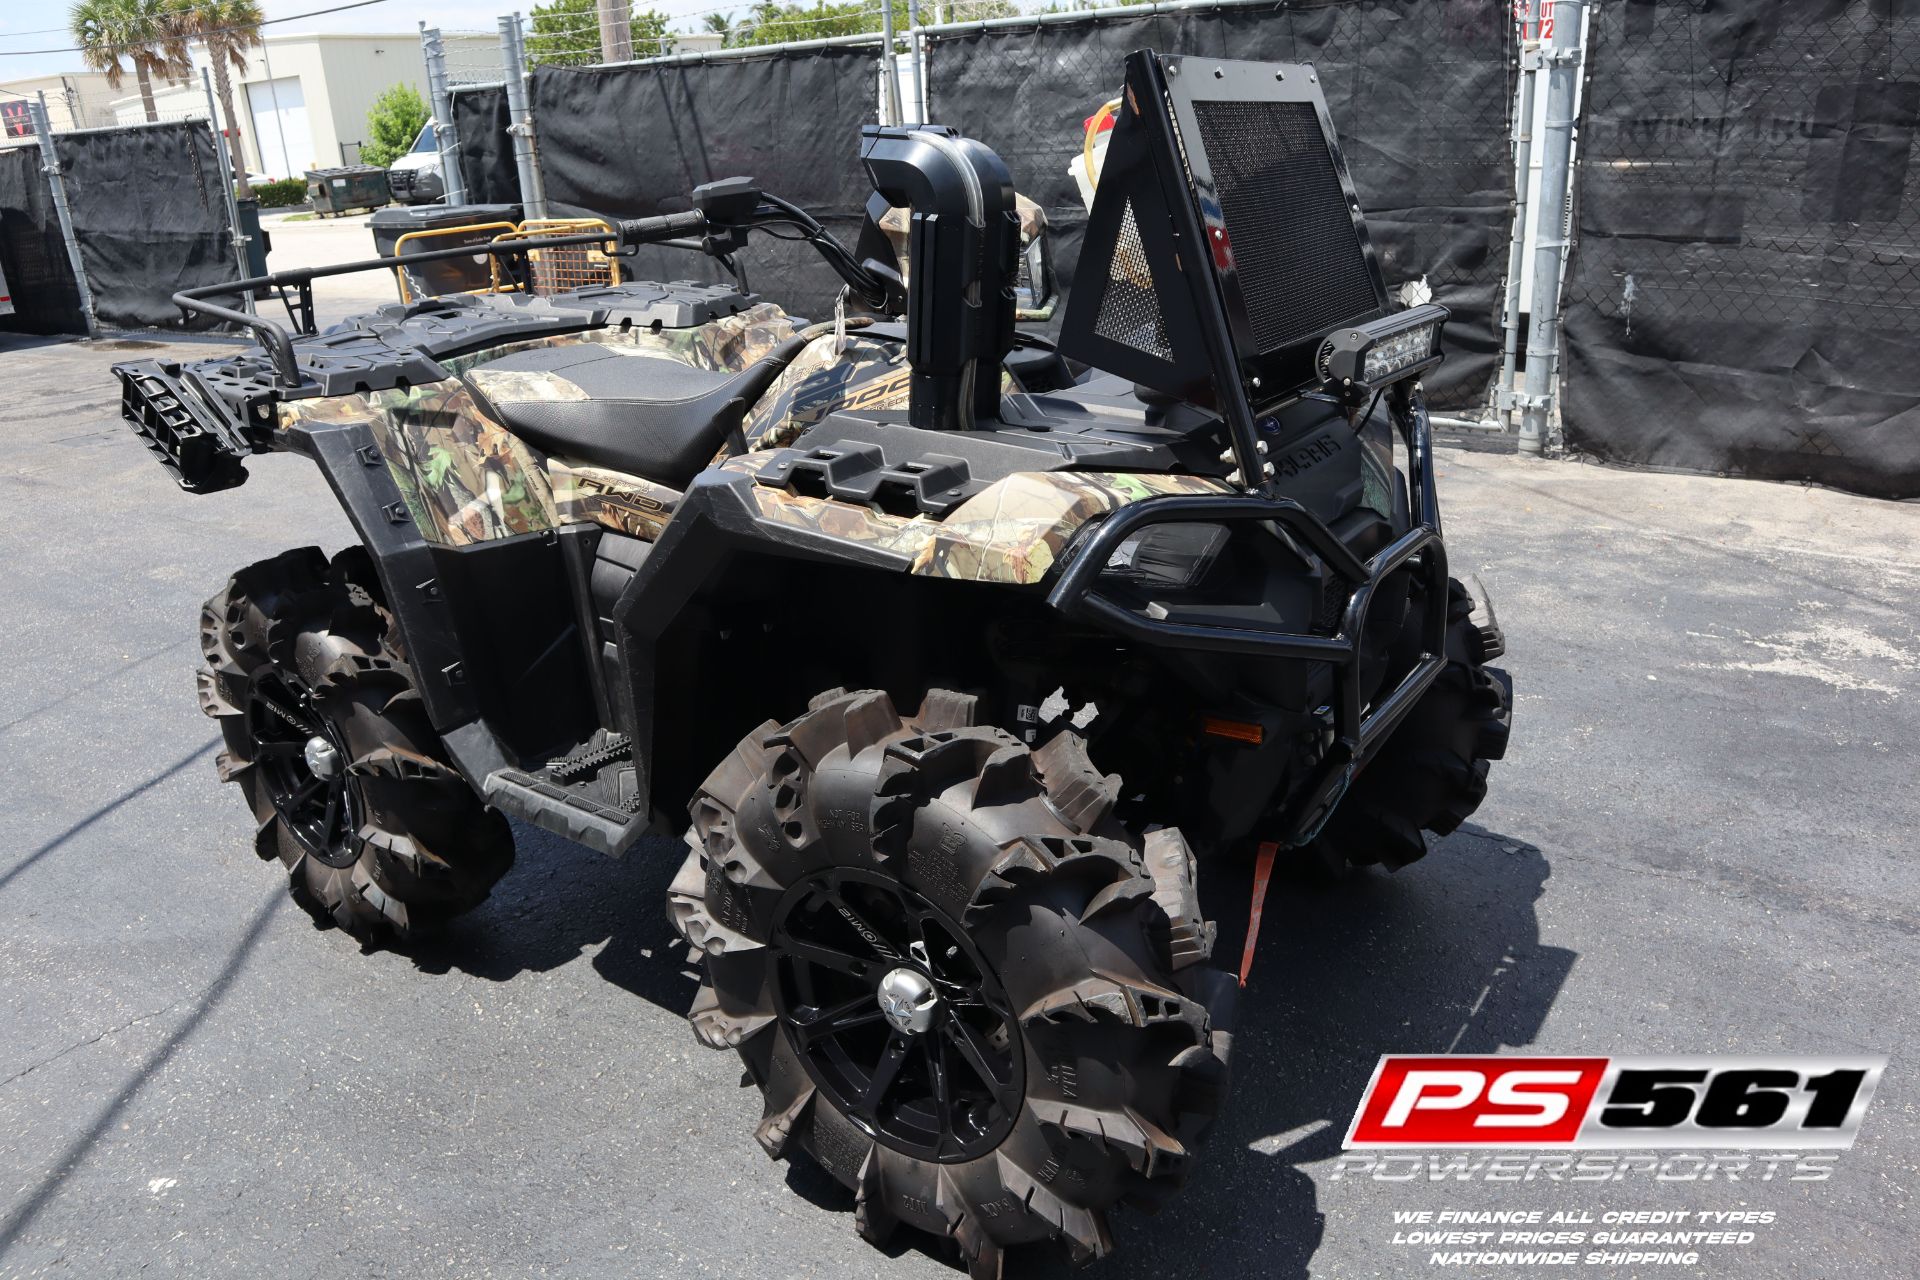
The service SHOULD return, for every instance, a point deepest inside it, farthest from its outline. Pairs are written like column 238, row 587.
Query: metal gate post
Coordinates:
column 533, row 194
column 50, row 165
column 1562, row 60
column 889, row 66
column 917, row 51
column 1522, row 179
column 234, row 233
column 444, row 135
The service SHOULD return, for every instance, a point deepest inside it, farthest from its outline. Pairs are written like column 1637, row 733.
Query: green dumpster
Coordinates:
column 360, row 186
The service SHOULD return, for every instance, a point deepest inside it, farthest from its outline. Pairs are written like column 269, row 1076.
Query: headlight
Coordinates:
column 1167, row 555
column 1356, row 362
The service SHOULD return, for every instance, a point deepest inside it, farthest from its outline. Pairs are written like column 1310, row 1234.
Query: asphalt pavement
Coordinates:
column 1701, row 841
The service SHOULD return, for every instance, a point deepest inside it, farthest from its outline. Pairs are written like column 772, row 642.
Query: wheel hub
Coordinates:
column 322, row 757
column 909, row 1000
column 895, row 1014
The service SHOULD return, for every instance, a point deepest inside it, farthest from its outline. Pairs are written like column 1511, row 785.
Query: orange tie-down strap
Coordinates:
column 1262, row 874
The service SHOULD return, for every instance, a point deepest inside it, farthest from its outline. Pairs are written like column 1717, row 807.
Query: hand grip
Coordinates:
column 667, row 226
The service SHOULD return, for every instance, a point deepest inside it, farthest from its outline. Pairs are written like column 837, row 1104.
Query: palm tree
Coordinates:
column 721, row 24
column 229, row 28
column 138, row 29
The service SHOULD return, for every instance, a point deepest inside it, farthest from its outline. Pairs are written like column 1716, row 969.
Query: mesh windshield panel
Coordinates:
column 1298, row 258
column 1129, row 311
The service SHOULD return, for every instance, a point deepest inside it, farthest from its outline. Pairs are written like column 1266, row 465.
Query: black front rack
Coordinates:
column 1359, row 728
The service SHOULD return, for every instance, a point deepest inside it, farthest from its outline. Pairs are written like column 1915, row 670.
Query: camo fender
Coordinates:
column 861, row 373
column 726, row 345
column 1011, row 532
column 829, row 375
column 586, row 494
column 464, row 477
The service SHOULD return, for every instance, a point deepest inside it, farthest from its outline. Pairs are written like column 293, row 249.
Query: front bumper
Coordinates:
column 1360, row 728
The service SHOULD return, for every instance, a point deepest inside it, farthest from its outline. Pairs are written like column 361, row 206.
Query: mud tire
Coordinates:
column 416, row 846
column 1432, row 774
column 1094, row 935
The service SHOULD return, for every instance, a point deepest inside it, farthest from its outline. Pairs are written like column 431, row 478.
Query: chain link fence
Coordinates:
column 1744, row 294
column 473, row 57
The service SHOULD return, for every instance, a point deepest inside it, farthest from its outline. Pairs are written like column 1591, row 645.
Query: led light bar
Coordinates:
column 1358, row 360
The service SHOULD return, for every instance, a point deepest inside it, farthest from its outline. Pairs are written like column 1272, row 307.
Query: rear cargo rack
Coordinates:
column 195, row 442
column 278, row 341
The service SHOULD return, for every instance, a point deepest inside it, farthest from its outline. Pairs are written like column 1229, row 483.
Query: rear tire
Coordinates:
column 1432, row 773
column 1075, row 1045
column 329, row 741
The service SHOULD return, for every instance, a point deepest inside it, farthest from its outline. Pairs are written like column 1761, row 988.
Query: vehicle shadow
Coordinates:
column 562, row 898
column 1444, row 957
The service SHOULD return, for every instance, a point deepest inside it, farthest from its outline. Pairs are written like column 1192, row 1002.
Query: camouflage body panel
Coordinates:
column 726, row 345
column 861, row 374
column 465, row 478
column 520, row 385
column 586, row 494
column 825, row 376
column 1011, row 532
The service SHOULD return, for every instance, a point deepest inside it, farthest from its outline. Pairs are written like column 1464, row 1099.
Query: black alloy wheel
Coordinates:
column 896, row 1016
column 328, row 738
column 304, row 766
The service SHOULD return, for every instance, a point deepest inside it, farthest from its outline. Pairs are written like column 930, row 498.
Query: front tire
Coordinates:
column 1053, row 1042
column 327, row 737
column 1432, row 773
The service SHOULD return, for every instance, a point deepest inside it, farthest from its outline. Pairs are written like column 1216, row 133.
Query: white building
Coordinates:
column 302, row 100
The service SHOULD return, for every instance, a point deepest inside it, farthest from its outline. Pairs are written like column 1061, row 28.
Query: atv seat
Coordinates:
column 644, row 415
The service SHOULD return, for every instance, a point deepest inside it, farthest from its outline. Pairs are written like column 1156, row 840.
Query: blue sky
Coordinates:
column 31, row 26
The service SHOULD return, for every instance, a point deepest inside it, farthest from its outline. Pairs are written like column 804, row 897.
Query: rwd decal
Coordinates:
column 1718, row 1101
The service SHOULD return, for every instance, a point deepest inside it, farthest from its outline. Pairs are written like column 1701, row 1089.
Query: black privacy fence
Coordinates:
column 1420, row 95
column 149, row 217
column 633, row 141
column 1744, row 293
column 1432, row 167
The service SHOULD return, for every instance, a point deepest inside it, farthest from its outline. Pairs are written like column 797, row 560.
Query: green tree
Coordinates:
column 138, row 30
column 393, row 124
column 770, row 22
column 228, row 28
column 566, row 33
column 721, row 24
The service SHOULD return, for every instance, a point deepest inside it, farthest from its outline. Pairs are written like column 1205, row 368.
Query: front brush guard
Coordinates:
column 1359, row 730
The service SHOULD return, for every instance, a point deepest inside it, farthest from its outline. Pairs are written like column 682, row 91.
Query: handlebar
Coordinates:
column 736, row 208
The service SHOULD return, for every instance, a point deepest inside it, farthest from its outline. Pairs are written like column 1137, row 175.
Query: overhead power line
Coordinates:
column 292, row 17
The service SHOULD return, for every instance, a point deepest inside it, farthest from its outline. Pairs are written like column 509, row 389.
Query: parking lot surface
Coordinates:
column 1702, row 841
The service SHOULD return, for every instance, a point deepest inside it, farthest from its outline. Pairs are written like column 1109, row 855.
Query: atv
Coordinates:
column 948, row 651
